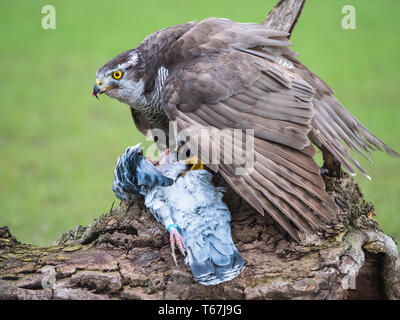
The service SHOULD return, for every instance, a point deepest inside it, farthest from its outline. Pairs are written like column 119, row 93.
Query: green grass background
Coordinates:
column 59, row 145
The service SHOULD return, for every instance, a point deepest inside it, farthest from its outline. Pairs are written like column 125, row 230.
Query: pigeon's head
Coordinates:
column 122, row 78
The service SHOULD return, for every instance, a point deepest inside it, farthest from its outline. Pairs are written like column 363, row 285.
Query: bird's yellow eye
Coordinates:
column 117, row 74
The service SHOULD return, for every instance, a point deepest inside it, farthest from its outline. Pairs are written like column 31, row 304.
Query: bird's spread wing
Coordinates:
column 332, row 125
column 226, row 75
column 237, row 89
column 336, row 128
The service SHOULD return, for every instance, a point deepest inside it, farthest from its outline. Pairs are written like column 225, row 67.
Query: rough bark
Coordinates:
column 125, row 254
column 284, row 16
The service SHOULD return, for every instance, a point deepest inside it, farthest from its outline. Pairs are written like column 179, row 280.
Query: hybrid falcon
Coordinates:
column 221, row 75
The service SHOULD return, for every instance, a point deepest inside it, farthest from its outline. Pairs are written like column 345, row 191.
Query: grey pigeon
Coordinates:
column 189, row 206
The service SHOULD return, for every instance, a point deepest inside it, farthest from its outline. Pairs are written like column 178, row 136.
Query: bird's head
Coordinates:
column 121, row 78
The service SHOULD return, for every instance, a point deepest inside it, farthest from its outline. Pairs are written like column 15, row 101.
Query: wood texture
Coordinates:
column 125, row 254
column 285, row 15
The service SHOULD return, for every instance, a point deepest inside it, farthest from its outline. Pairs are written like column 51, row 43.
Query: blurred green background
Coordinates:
column 59, row 145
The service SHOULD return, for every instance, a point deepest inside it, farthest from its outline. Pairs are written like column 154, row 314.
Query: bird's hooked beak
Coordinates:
column 99, row 88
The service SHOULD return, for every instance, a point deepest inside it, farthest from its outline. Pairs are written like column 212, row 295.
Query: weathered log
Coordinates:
column 285, row 15
column 125, row 254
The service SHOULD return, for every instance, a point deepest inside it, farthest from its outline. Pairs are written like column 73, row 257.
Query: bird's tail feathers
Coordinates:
column 214, row 262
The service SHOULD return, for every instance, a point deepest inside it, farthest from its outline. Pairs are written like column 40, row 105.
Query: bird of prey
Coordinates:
column 190, row 208
column 219, row 74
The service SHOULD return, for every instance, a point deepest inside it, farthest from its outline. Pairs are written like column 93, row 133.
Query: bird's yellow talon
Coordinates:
column 196, row 164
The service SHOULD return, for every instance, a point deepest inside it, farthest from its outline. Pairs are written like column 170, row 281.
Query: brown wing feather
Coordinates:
column 335, row 127
column 229, row 75
column 285, row 180
column 279, row 186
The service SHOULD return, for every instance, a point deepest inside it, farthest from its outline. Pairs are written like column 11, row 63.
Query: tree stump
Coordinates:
column 125, row 254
